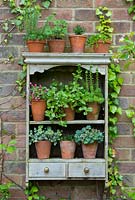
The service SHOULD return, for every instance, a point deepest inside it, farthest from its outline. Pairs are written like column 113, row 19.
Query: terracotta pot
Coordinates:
column 95, row 111
column 43, row 149
column 36, row 45
column 89, row 150
column 77, row 43
column 38, row 110
column 67, row 149
column 70, row 114
column 102, row 47
column 56, row 46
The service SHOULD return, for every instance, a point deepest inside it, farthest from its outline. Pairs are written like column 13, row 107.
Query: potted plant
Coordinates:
column 67, row 146
column 43, row 138
column 38, row 96
column 35, row 36
column 102, row 40
column 56, row 32
column 89, row 138
column 78, row 39
column 94, row 96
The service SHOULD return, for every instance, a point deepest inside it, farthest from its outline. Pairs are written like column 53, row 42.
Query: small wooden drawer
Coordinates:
column 87, row 170
column 47, row 170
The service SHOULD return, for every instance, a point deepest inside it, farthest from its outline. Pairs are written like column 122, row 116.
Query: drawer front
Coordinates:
column 87, row 170
column 47, row 170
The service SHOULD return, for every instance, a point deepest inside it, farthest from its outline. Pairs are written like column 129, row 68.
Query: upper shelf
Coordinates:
column 45, row 61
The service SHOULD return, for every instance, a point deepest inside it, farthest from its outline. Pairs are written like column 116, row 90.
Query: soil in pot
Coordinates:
column 56, row 46
column 77, row 43
column 67, row 149
column 95, row 111
column 36, row 45
column 38, row 110
column 89, row 150
column 102, row 47
column 43, row 149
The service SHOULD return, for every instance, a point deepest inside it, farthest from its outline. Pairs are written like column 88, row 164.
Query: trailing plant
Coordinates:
column 78, row 30
column 130, row 113
column 55, row 28
column 104, row 28
column 44, row 133
column 88, row 135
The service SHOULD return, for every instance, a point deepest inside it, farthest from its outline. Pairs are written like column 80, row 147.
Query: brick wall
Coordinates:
column 12, row 106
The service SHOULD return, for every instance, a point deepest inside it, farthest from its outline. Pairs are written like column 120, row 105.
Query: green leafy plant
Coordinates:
column 130, row 113
column 37, row 92
column 33, row 32
column 88, row 135
column 94, row 93
column 131, row 8
column 78, row 30
column 104, row 29
column 42, row 133
column 55, row 28
column 4, row 191
column 67, row 137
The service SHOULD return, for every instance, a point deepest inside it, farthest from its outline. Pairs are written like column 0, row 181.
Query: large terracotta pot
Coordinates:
column 67, row 149
column 43, row 149
column 70, row 114
column 77, row 43
column 102, row 47
column 89, row 150
column 38, row 109
column 95, row 111
column 36, row 45
column 56, row 46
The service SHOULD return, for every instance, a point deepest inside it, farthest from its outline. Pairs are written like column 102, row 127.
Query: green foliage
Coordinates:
column 55, row 28
column 41, row 133
column 131, row 9
column 78, row 30
column 32, row 193
column 38, row 92
column 94, row 93
column 67, row 137
column 4, row 191
column 33, row 31
column 104, row 27
column 21, row 81
column 88, row 135
column 130, row 113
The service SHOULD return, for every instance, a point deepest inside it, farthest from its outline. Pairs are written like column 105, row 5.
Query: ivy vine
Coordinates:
column 131, row 9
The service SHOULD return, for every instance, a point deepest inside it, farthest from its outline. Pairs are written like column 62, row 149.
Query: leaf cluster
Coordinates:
column 55, row 28
column 67, row 137
column 88, row 135
column 38, row 92
column 131, row 8
column 41, row 133
column 78, row 30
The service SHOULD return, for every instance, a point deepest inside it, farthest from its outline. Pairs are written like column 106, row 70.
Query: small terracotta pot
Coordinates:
column 43, row 149
column 102, row 47
column 89, row 150
column 36, row 45
column 38, row 109
column 77, row 43
column 70, row 114
column 56, row 46
column 95, row 111
column 67, row 149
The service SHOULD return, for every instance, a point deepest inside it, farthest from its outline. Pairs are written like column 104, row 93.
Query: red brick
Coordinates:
column 120, row 14
column 110, row 3
column 17, row 193
column 12, row 103
column 121, row 27
column 123, row 154
column 127, row 167
column 124, row 129
column 5, row 13
column 85, row 15
column 12, row 116
column 8, row 90
column 21, row 129
column 125, row 142
column 66, row 14
column 130, row 68
column 20, row 141
column 10, row 67
column 123, row 118
column 128, row 90
column 127, row 77
column 21, row 154
column 8, row 128
column 14, row 167
column 74, row 4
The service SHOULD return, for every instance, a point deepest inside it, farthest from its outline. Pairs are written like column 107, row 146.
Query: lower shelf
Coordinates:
column 67, row 169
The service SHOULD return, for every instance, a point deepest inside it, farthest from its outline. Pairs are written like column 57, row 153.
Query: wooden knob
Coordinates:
column 46, row 169
column 86, row 170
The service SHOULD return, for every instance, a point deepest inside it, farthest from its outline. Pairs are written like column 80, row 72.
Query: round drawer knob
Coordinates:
column 86, row 170
column 46, row 169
